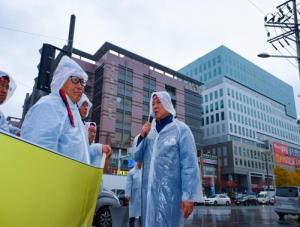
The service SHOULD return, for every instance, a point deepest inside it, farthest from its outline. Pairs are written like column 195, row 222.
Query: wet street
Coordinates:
column 240, row 216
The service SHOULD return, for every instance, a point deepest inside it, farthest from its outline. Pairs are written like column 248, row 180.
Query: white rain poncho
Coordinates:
column 170, row 170
column 3, row 122
column 165, row 100
column 12, row 85
column 47, row 122
column 83, row 99
column 133, row 190
column 95, row 149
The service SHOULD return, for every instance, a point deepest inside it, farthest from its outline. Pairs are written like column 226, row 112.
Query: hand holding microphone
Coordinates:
column 146, row 127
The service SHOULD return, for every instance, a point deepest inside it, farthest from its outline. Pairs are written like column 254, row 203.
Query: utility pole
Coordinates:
column 286, row 27
column 267, row 167
column 296, row 26
column 71, row 34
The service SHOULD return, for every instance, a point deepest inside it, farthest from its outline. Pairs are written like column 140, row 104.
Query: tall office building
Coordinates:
column 249, row 118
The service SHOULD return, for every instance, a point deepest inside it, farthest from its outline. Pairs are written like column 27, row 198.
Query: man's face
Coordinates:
column 83, row 109
column 73, row 90
column 4, row 86
column 158, row 109
column 92, row 134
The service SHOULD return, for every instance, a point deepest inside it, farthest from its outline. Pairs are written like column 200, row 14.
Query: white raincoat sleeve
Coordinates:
column 138, row 149
column 190, row 173
column 128, row 184
column 43, row 126
column 95, row 150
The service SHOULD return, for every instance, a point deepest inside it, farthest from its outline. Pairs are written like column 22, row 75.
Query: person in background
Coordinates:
column 7, row 88
column 171, row 176
column 133, row 193
column 94, row 148
column 54, row 121
column 84, row 106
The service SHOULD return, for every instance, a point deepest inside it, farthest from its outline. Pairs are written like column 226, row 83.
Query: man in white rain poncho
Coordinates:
column 133, row 193
column 54, row 121
column 7, row 88
column 171, row 176
column 95, row 149
column 84, row 106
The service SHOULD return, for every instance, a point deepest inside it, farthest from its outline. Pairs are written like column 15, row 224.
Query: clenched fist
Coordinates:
column 107, row 150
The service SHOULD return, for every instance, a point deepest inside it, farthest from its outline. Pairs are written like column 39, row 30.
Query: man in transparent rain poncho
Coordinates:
column 171, row 176
column 133, row 193
column 54, row 121
column 7, row 88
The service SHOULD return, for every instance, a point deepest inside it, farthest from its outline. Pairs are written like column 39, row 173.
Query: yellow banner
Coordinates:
column 39, row 188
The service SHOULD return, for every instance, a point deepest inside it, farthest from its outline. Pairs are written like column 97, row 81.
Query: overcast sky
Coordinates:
column 170, row 32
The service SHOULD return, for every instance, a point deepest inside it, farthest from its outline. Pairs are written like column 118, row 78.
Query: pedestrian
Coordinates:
column 94, row 148
column 171, row 176
column 54, row 121
column 7, row 88
column 133, row 193
column 84, row 106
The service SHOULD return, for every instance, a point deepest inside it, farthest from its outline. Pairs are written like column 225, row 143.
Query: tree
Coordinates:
column 285, row 178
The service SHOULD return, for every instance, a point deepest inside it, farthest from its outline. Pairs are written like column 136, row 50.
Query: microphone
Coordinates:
column 150, row 118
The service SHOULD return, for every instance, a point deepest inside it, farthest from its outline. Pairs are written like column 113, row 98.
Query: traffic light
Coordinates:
column 45, row 67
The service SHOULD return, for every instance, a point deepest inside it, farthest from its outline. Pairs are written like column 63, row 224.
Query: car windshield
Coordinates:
column 287, row 192
column 261, row 196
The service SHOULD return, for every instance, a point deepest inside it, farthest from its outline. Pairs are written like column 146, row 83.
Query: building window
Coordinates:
column 222, row 104
column 221, row 92
column 216, row 105
column 224, row 151
column 222, row 116
column 225, row 162
column 216, row 94
column 172, row 92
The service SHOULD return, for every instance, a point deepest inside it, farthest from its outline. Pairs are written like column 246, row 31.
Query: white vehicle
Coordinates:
column 287, row 201
column 264, row 198
column 219, row 199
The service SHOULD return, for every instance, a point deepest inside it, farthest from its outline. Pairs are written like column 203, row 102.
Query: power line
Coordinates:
column 30, row 33
column 255, row 6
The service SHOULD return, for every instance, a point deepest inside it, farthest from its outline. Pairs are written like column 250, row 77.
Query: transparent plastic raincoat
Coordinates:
column 170, row 170
column 133, row 190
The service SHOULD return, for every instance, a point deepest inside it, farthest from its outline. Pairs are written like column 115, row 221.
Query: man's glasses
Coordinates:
column 76, row 80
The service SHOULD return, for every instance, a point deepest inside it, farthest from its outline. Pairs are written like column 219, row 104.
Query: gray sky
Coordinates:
column 170, row 32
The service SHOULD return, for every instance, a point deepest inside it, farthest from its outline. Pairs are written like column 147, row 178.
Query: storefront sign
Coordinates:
column 285, row 155
column 210, row 159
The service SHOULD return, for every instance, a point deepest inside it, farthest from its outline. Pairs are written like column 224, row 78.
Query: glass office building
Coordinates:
column 246, row 113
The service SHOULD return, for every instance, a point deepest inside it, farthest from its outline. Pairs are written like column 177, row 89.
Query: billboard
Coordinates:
column 286, row 156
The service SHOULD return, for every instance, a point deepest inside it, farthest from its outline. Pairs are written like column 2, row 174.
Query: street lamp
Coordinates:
column 266, row 55
column 267, row 153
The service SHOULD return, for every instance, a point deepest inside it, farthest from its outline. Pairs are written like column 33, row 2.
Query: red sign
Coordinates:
column 282, row 156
